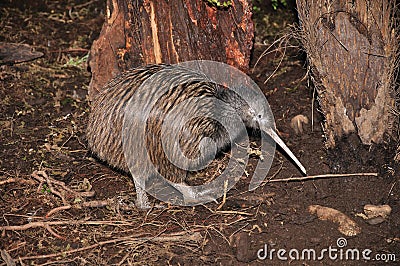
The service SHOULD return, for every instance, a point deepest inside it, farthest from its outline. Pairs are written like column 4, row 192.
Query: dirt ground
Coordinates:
column 59, row 206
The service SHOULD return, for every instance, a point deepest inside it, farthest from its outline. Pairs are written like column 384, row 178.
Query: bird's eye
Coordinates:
column 259, row 116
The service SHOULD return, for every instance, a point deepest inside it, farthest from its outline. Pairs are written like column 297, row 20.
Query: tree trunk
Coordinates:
column 144, row 32
column 352, row 52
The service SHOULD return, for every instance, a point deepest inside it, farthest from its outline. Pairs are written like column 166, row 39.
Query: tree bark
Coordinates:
column 352, row 50
column 144, row 32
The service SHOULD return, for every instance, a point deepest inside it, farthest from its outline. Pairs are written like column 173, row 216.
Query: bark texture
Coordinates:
column 143, row 32
column 352, row 51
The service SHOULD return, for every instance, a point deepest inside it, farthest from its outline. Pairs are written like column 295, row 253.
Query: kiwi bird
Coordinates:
column 133, row 109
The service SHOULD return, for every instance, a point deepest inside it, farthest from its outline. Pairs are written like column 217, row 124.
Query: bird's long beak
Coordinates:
column 280, row 142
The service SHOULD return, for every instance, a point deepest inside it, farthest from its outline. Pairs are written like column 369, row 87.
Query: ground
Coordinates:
column 59, row 206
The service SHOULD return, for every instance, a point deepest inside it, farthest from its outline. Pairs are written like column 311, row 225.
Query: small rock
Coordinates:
column 346, row 225
column 242, row 242
column 297, row 123
column 375, row 214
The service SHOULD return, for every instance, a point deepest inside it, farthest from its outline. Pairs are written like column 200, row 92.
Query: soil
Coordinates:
column 45, row 164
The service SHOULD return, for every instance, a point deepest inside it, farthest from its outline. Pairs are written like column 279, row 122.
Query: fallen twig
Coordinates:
column 85, row 4
column 7, row 258
column 42, row 177
column 224, row 196
column 16, row 180
column 52, row 223
column 88, row 204
column 68, row 252
column 178, row 237
column 71, row 50
column 51, row 231
column 312, row 177
column 52, row 189
column 57, row 209
column 234, row 213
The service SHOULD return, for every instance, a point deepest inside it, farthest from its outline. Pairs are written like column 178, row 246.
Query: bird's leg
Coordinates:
column 192, row 196
column 189, row 195
column 142, row 201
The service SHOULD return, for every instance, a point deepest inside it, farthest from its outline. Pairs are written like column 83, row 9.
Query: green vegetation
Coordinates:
column 276, row 3
column 45, row 189
column 220, row 4
column 257, row 4
column 77, row 61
